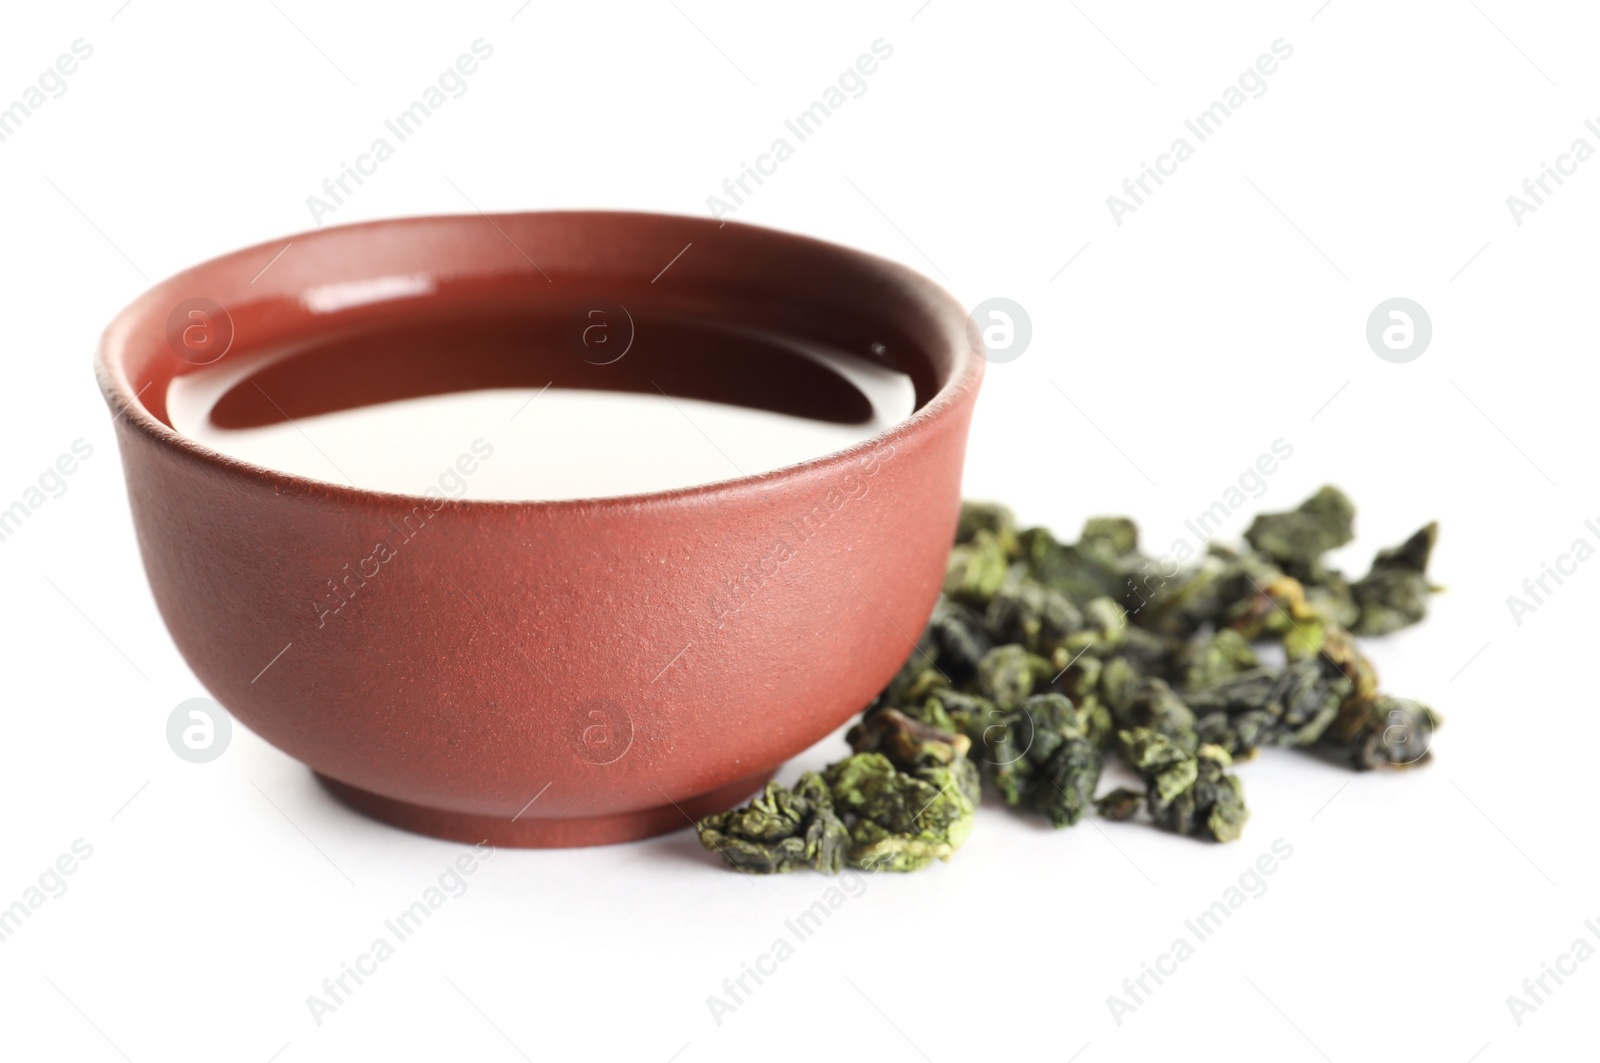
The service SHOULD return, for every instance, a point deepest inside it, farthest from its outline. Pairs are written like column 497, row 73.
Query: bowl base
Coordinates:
column 527, row 832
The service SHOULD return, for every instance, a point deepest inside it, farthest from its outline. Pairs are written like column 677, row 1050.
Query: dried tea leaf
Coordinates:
column 921, row 669
column 1298, row 538
column 1038, row 756
column 1291, row 706
column 958, row 638
column 956, row 711
column 1119, row 804
column 1154, row 706
column 1166, row 768
column 781, row 830
column 1118, row 681
column 1384, row 732
column 1331, row 597
column 1394, row 594
column 1008, row 674
column 976, row 570
column 1104, row 632
column 1223, row 654
column 912, row 745
column 1275, row 605
column 1109, row 539
column 1189, row 793
column 1147, row 652
column 1214, row 807
column 899, row 821
column 1026, row 612
column 1064, row 784
column 1340, row 654
column 993, row 518
column 1068, row 569
column 1080, row 681
column 1189, row 600
column 907, row 742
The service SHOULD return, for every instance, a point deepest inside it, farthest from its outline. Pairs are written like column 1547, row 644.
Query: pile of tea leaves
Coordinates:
column 1043, row 659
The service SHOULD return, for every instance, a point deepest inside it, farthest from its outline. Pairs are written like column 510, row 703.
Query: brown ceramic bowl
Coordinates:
column 543, row 673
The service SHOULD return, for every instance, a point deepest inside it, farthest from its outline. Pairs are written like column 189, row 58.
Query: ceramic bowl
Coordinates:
column 546, row 673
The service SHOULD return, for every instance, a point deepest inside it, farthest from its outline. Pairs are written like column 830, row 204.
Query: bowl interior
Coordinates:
column 352, row 317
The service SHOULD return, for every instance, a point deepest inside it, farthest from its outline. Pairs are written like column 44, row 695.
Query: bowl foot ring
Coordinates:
column 530, row 832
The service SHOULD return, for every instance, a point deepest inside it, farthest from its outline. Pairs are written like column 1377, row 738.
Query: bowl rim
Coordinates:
column 947, row 316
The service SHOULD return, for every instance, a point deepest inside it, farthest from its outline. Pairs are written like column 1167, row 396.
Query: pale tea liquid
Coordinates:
column 532, row 443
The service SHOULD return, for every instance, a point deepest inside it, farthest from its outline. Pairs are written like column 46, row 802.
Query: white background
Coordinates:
column 1168, row 352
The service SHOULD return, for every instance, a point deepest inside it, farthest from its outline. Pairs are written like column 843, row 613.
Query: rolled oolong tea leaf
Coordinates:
column 1394, row 594
column 907, row 742
column 1214, row 807
column 1275, row 606
column 1070, row 570
column 1291, row 706
column 1190, row 794
column 1297, row 538
column 1341, row 654
column 1008, row 674
column 780, row 831
column 1384, row 732
column 1105, row 629
column 1153, row 705
column 1147, row 652
column 1331, row 597
column 1064, row 783
column 1119, row 681
column 959, row 638
column 1185, row 602
column 993, row 518
column 1026, row 612
column 1080, row 681
column 912, row 745
column 899, row 821
column 957, row 712
column 975, row 570
column 1108, row 539
column 1168, row 770
column 1224, row 653
column 1241, row 735
column 1039, row 757
column 1119, row 804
